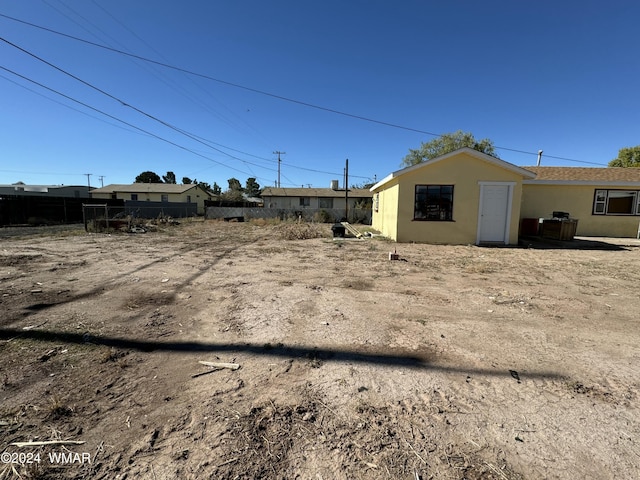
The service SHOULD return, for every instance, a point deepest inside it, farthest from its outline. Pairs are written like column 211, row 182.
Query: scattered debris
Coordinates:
column 352, row 230
column 394, row 255
column 220, row 365
column 47, row 442
column 515, row 375
column 215, row 367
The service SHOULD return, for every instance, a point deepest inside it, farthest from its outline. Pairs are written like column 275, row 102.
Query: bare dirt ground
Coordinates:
column 454, row 362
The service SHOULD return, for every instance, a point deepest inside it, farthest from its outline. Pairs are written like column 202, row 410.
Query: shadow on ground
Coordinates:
column 388, row 357
column 575, row 244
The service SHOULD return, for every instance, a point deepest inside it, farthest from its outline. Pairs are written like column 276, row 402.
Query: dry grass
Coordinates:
column 301, row 231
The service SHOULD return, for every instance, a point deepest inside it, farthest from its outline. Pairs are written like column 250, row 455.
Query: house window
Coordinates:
column 134, row 196
column 164, row 197
column 188, row 198
column 305, row 201
column 433, row 203
column 325, row 203
column 376, row 201
column 616, row 202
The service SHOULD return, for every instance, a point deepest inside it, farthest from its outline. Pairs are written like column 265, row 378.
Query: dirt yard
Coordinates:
column 453, row 362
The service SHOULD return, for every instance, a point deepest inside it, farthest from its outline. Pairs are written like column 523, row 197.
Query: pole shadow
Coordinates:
column 389, row 357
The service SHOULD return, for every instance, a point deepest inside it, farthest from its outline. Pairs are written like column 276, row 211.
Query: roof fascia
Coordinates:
column 594, row 183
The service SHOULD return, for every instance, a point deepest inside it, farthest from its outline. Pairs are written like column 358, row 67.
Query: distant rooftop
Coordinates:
column 315, row 192
column 145, row 187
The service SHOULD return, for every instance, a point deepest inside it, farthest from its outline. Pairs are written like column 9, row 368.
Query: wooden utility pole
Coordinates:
column 346, row 190
column 88, row 179
column 279, row 153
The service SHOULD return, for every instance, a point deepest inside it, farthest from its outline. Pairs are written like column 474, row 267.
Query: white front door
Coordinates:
column 494, row 212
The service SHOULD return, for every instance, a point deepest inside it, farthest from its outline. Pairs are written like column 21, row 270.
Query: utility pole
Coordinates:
column 277, row 152
column 346, row 190
column 101, row 178
column 88, row 179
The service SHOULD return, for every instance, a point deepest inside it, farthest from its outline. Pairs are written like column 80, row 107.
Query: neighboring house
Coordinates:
column 314, row 198
column 605, row 201
column 69, row 191
column 467, row 197
column 156, row 194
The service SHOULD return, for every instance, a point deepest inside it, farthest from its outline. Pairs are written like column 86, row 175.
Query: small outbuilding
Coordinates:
column 462, row 197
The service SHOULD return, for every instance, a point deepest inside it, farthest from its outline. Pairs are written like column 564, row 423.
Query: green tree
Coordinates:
column 234, row 184
column 216, row 189
column 627, row 157
column 366, row 185
column 186, row 181
column 204, row 185
column 446, row 143
column 170, row 177
column 252, row 188
column 148, row 177
column 235, row 191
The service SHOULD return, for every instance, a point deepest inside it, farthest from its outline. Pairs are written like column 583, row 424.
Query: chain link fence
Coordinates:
column 133, row 216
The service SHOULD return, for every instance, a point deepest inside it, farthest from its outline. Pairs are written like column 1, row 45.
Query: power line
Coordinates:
column 279, row 97
column 123, row 121
column 67, row 106
column 125, row 104
column 184, row 132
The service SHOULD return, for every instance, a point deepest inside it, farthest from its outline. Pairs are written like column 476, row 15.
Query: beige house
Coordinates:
column 313, row 198
column 161, row 193
column 467, row 197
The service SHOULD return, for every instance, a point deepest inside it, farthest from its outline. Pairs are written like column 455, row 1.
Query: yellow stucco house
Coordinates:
column 468, row 197
column 605, row 201
column 156, row 194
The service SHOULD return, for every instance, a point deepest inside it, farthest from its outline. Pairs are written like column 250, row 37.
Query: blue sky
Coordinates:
column 557, row 76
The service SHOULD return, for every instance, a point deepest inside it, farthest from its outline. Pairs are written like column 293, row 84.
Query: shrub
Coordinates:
column 300, row 231
column 322, row 216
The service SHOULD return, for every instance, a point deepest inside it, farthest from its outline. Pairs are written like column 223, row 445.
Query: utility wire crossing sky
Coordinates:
column 212, row 92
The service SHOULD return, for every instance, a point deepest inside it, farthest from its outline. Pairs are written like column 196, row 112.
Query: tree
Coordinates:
column 235, row 191
column 204, row 185
column 148, row 177
column 186, row 181
column 446, row 143
column 170, row 177
column 234, row 184
column 216, row 189
column 252, row 188
column 627, row 157
column 364, row 186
